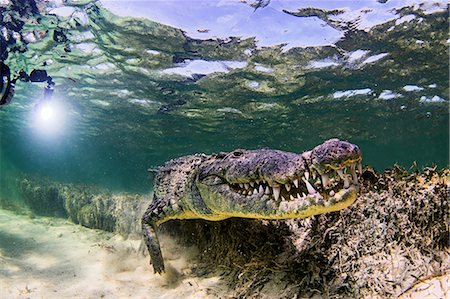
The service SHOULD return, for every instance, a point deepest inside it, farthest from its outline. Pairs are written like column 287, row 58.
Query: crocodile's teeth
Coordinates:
column 310, row 188
column 282, row 198
column 307, row 175
column 255, row 191
column 292, row 205
column 299, row 196
column 313, row 175
column 261, row 189
column 296, row 183
column 284, row 206
column 276, row 192
column 353, row 171
column 303, row 194
column 257, row 182
column 325, row 180
column 291, row 197
column 252, row 184
column 302, row 202
column 267, row 191
column 288, row 187
column 241, row 185
column 346, row 182
column 340, row 173
column 246, row 186
column 360, row 168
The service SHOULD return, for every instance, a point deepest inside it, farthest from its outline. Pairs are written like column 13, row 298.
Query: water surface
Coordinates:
column 141, row 82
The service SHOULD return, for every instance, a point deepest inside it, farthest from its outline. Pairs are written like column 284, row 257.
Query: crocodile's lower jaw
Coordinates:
column 315, row 205
column 223, row 206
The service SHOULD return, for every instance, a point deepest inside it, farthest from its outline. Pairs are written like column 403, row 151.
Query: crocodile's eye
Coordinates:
column 237, row 153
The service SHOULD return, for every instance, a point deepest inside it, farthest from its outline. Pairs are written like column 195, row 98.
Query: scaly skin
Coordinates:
column 260, row 184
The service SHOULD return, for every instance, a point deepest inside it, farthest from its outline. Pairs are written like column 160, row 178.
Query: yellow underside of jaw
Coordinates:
column 349, row 194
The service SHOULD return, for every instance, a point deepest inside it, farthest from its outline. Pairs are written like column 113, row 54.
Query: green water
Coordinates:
column 124, row 111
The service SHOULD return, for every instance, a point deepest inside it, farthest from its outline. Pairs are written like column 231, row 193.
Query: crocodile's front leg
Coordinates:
column 151, row 239
column 175, row 196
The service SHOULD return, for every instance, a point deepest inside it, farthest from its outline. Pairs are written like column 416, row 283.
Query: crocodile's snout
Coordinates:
column 333, row 154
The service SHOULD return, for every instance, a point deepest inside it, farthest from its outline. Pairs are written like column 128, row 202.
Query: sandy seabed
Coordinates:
column 46, row 257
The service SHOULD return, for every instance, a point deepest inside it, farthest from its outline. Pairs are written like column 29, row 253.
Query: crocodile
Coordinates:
column 259, row 184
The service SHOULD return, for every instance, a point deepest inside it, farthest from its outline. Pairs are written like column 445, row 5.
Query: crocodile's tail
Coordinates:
column 152, row 242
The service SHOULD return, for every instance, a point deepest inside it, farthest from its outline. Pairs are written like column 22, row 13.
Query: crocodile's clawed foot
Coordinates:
column 151, row 240
column 158, row 266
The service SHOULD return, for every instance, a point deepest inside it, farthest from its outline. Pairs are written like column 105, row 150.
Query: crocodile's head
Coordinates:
column 277, row 185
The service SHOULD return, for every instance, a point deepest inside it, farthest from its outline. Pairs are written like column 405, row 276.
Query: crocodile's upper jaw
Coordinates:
column 312, row 184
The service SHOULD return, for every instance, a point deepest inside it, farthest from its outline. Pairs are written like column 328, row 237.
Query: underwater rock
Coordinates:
column 85, row 205
column 43, row 199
